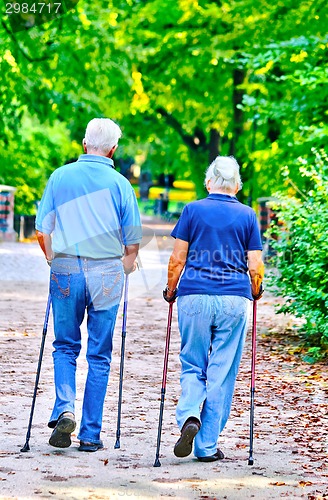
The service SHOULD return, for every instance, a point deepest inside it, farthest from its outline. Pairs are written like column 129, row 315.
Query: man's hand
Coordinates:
column 45, row 244
column 259, row 294
column 169, row 295
column 129, row 258
column 129, row 269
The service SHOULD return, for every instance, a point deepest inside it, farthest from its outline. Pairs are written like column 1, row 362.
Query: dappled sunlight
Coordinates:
column 246, row 486
column 289, row 457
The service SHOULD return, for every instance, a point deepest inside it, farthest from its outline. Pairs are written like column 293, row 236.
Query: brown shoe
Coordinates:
column 61, row 435
column 183, row 446
column 212, row 458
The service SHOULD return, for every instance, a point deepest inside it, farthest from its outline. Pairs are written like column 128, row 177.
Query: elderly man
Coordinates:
column 218, row 246
column 88, row 226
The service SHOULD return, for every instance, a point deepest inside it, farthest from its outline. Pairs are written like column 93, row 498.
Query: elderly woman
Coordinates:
column 218, row 246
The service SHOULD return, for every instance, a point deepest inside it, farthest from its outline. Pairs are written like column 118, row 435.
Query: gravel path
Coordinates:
column 290, row 447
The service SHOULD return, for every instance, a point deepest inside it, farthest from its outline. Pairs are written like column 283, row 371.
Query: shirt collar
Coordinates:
column 222, row 197
column 97, row 159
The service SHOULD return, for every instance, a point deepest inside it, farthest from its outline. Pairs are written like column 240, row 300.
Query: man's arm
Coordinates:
column 129, row 258
column 176, row 264
column 256, row 269
column 45, row 244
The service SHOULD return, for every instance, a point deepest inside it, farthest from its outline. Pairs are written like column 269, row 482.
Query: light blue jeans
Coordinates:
column 78, row 285
column 213, row 330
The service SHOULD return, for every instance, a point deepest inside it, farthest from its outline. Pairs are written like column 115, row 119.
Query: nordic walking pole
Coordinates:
column 119, row 408
column 157, row 463
column 251, row 427
column 26, row 446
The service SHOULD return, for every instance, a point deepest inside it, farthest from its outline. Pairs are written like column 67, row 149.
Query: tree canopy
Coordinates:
column 186, row 80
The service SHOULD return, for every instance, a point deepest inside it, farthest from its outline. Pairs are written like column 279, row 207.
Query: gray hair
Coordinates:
column 102, row 134
column 224, row 174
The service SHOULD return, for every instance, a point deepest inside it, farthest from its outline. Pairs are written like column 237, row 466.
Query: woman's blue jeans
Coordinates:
column 78, row 285
column 213, row 330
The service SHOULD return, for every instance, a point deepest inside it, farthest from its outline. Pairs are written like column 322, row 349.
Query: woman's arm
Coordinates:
column 256, row 269
column 176, row 264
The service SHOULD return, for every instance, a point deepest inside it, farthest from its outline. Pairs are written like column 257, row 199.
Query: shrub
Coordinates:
column 300, row 238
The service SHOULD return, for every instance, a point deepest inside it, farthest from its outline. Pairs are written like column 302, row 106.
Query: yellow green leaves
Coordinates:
column 9, row 58
column 140, row 98
column 265, row 69
column 299, row 57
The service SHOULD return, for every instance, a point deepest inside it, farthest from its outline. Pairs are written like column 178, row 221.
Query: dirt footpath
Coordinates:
column 291, row 440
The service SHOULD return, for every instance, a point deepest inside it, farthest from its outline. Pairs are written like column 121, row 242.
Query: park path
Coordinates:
column 291, row 439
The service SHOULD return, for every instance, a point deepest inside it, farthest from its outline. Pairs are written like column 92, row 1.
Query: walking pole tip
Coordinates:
column 117, row 444
column 250, row 461
column 26, row 447
column 157, row 463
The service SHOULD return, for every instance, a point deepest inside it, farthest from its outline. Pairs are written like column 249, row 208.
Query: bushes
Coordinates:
column 301, row 259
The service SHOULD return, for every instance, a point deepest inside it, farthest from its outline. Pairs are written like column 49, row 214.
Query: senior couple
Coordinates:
column 88, row 226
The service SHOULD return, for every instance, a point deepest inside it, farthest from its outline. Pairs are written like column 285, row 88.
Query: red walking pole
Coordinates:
column 251, row 428
column 157, row 463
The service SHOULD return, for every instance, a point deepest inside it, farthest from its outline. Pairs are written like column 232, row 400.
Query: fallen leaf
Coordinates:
column 304, row 483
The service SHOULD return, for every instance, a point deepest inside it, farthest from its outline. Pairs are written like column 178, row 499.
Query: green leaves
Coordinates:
column 194, row 76
column 301, row 244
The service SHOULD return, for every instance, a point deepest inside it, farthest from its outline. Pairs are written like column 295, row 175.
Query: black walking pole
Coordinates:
column 251, row 428
column 125, row 311
column 157, row 463
column 26, row 446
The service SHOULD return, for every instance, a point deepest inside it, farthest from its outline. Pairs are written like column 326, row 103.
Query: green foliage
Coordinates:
column 186, row 80
column 28, row 159
column 301, row 244
column 250, row 71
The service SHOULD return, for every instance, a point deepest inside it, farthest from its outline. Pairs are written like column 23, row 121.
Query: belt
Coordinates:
column 69, row 256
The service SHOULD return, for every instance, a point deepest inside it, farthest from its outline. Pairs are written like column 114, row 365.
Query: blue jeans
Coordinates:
column 213, row 330
column 78, row 285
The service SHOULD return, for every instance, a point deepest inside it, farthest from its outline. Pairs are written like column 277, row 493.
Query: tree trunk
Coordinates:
column 237, row 129
column 237, row 98
column 214, row 145
column 198, row 166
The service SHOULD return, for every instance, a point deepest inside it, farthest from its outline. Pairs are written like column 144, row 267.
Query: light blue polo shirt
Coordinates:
column 220, row 230
column 90, row 209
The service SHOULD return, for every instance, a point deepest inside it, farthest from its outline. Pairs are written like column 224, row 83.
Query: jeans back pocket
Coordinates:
column 234, row 305
column 191, row 305
column 112, row 285
column 60, row 285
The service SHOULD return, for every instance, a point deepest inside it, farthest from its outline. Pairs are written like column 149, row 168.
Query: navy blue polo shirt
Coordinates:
column 220, row 230
column 90, row 209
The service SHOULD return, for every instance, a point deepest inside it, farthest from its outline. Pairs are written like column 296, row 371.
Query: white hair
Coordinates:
column 102, row 134
column 224, row 174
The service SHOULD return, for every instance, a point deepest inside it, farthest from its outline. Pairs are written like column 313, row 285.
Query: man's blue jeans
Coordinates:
column 213, row 330
column 78, row 285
